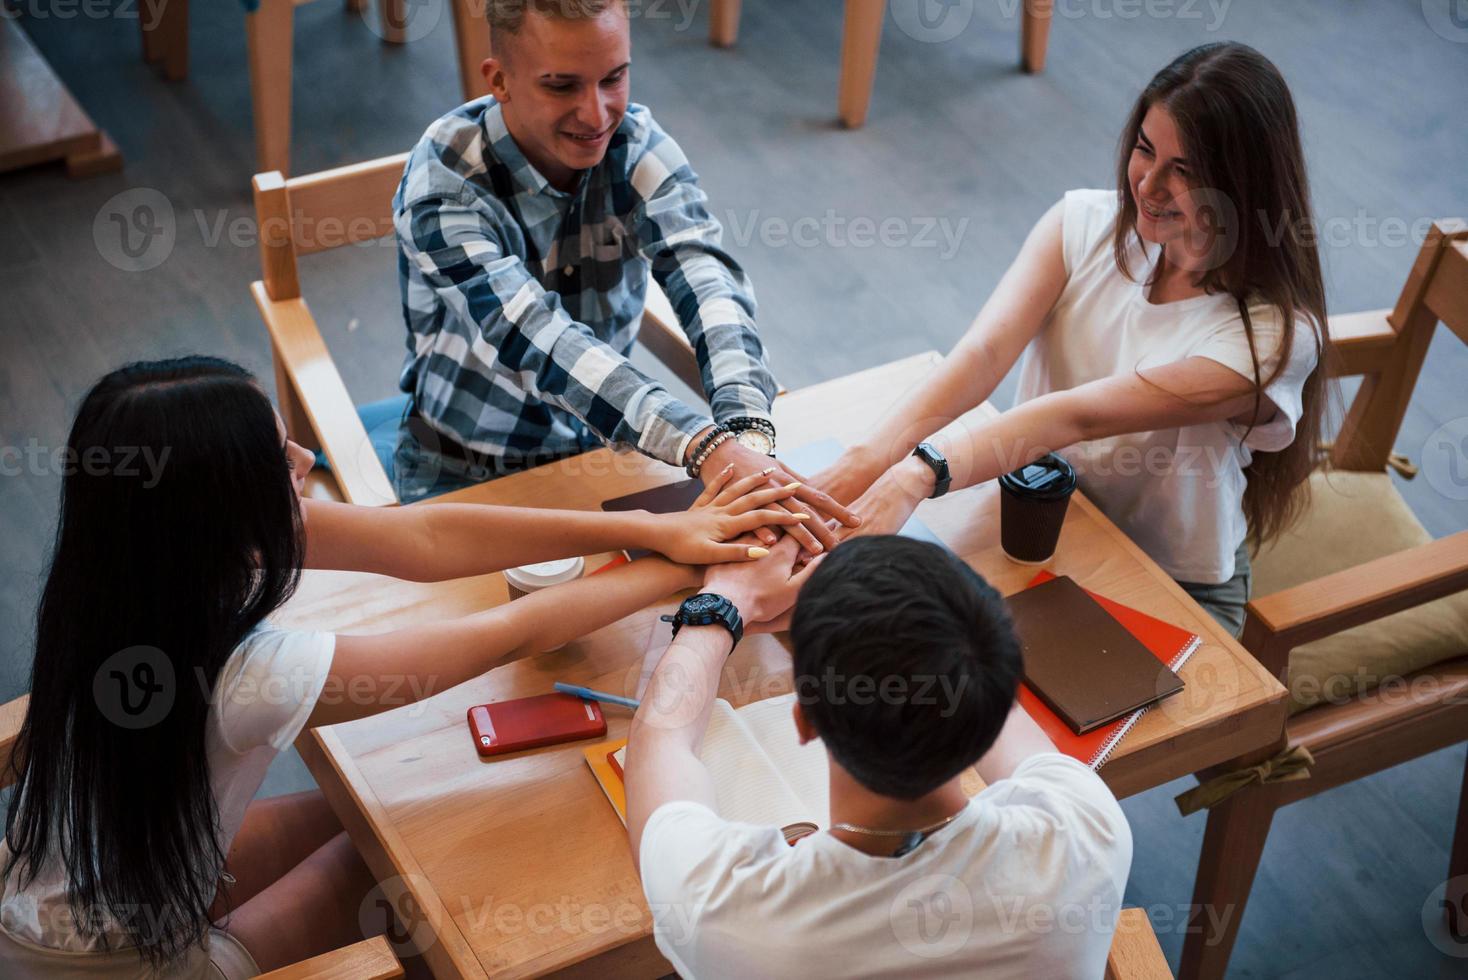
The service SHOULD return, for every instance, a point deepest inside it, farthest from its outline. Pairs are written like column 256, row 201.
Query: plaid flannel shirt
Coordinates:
column 522, row 302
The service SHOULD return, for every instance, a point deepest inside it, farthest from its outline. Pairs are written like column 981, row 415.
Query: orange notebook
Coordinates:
column 1170, row 644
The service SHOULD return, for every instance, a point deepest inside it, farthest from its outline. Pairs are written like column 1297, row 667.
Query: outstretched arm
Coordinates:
column 373, row 673
column 431, row 542
column 1011, row 316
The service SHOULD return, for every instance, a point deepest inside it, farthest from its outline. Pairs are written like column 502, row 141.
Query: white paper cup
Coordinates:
column 532, row 578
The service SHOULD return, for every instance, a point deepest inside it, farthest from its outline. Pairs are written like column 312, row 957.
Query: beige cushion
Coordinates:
column 1352, row 519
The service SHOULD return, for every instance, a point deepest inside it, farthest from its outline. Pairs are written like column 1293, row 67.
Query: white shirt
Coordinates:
column 1026, row 882
column 1178, row 493
column 262, row 699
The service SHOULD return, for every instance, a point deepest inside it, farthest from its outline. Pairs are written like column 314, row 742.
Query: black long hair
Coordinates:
column 1241, row 135
column 179, row 532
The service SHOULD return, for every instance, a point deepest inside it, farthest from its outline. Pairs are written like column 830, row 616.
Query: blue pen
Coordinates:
column 590, row 695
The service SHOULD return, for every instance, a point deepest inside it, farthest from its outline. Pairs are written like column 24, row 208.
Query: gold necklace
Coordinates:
column 853, row 829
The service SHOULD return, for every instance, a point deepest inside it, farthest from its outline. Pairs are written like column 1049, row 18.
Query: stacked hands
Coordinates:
column 735, row 526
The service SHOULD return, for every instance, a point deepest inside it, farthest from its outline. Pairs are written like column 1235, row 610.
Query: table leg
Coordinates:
column 859, row 48
column 1034, row 34
column 269, row 33
column 1232, row 845
column 724, row 23
column 1457, row 895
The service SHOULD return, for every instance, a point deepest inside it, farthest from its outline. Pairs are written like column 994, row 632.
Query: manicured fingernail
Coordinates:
column 766, row 472
column 856, row 520
column 792, row 486
column 801, row 517
column 817, row 547
column 758, row 552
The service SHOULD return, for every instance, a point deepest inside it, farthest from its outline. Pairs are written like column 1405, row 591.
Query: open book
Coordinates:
column 761, row 773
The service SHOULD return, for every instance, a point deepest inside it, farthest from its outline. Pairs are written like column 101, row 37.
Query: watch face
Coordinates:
column 701, row 605
column 759, row 441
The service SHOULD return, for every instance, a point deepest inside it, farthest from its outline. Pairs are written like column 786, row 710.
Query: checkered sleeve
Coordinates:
column 462, row 246
column 709, row 290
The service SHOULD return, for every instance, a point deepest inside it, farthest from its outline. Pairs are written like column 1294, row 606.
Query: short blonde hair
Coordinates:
column 509, row 15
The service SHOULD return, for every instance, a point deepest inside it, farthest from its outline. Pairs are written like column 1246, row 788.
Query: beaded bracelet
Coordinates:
column 696, row 467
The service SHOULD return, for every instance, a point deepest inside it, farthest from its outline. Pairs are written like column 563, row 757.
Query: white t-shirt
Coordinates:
column 1178, row 493
column 1026, row 882
column 262, row 699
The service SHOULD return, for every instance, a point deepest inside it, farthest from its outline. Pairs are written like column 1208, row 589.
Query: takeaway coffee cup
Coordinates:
column 532, row 578
column 1032, row 503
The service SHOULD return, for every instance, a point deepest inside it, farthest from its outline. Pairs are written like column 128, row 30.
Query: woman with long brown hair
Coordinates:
column 1172, row 332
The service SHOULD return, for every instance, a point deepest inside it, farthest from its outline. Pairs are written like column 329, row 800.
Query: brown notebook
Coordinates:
column 1081, row 662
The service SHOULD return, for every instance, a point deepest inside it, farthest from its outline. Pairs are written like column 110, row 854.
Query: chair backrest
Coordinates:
column 321, row 211
column 1389, row 353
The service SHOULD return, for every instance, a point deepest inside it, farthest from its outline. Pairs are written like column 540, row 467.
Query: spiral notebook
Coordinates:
column 1171, row 645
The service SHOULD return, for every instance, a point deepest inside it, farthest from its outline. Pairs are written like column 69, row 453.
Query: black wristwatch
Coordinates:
column 929, row 454
column 707, row 609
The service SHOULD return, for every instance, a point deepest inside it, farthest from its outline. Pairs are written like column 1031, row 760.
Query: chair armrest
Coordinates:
column 1135, row 953
column 328, row 408
column 12, row 715
column 371, row 959
column 662, row 337
column 1279, row 622
column 1362, row 342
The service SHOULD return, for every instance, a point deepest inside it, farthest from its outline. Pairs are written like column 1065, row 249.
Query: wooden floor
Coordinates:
column 957, row 141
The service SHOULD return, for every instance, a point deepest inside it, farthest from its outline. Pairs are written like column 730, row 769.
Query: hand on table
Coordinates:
column 763, row 590
column 812, row 533
column 727, row 510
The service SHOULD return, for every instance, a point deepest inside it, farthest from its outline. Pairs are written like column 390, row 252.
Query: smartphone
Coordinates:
column 527, row 723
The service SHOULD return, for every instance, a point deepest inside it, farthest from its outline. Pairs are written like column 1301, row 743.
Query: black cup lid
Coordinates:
column 1047, row 478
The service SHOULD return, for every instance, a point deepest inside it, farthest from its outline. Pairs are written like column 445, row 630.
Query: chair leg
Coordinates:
column 1232, row 845
column 863, row 37
column 724, row 23
column 471, row 37
column 1034, row 34
column 270, row 31
column 394, row 14
column 151, row 27
column 1457, row 895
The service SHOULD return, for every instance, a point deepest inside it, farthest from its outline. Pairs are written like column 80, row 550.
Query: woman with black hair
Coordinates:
column 1172, row 331
column 160, row 693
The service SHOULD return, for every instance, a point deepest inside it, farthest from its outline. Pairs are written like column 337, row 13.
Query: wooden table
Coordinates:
column 519, row 867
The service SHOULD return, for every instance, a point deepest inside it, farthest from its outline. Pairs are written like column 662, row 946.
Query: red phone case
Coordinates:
column 527, row 723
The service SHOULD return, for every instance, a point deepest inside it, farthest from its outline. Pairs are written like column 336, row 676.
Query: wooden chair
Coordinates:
column 1311, row 610
column 344, row 206
column 1135, row 953
column 863, row 36
column 270, row 34
column 371, row 959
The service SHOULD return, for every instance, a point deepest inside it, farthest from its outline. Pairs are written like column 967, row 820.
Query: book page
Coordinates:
column 747, row 786
column 748, row 782
column 804, row 768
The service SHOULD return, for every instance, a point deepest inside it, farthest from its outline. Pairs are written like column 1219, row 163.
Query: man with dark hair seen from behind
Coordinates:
column 528, row 222
column 905, row 668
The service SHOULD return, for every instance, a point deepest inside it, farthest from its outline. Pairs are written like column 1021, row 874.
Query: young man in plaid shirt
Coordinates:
column 527, row 223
